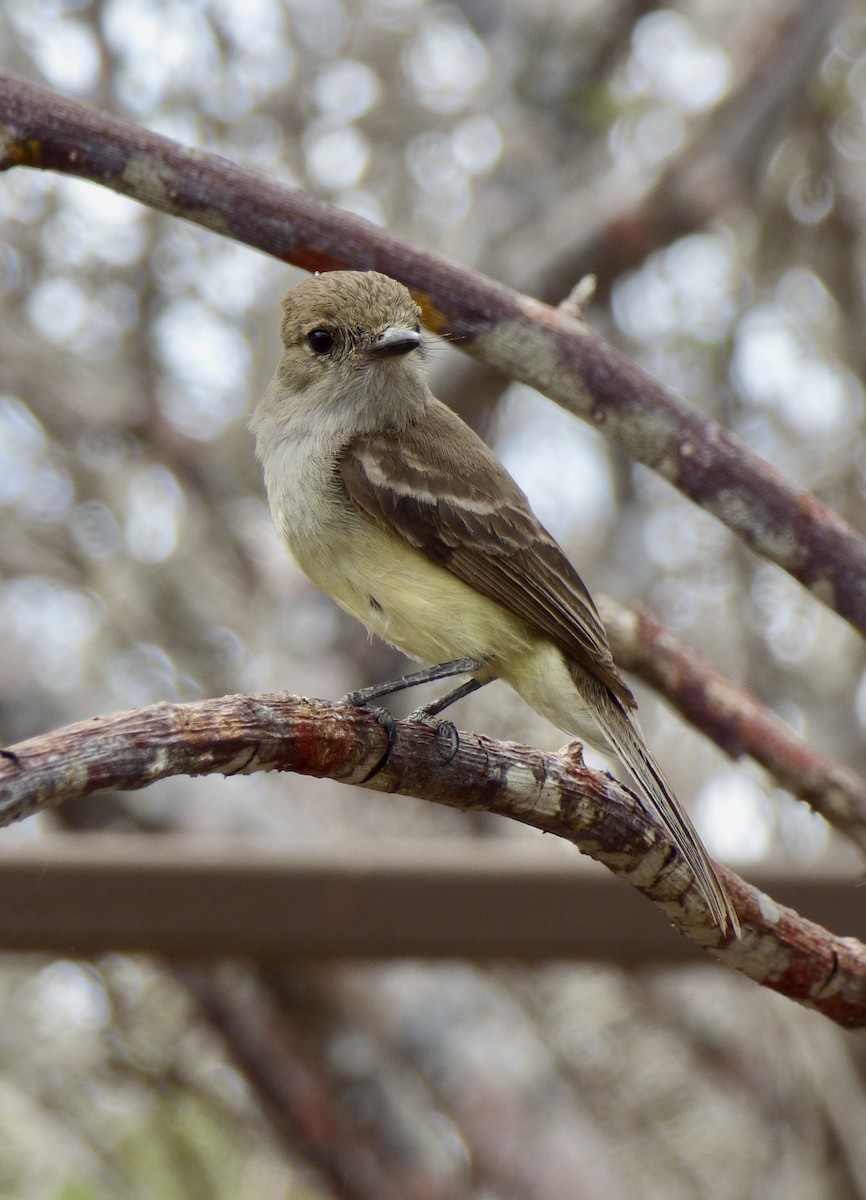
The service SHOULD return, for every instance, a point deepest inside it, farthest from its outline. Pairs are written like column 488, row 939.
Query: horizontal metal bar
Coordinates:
column 182, row 897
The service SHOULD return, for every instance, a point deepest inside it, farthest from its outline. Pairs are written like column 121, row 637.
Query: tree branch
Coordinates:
column 732, row 718
column 522, row 337
column 555, row 793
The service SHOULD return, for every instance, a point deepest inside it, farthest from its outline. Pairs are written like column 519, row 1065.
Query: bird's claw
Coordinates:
column 385, row 719
column 387, row 722
column 447, row 736
column 449, row 739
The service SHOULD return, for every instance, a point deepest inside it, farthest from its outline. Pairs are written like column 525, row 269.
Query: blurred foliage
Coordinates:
column 706, row 162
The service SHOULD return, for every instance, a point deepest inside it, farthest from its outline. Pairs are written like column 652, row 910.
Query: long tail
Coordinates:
column 626, row 739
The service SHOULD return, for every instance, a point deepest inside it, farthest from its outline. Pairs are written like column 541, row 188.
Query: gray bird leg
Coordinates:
column 428, row 711
column 459, row 666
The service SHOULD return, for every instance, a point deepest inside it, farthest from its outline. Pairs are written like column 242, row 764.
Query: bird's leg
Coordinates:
column 446, row 730
column 459, row 666
column 428, row 711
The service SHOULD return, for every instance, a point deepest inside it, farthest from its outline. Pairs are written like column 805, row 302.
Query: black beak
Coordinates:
column 394, row 341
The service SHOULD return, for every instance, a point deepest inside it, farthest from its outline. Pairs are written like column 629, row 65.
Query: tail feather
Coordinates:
column 627, row 740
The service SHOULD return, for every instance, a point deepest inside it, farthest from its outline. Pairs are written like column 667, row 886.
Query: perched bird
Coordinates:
column 392, row 505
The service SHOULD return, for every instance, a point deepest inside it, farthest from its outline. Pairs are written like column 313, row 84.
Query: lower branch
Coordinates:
column 555, row 793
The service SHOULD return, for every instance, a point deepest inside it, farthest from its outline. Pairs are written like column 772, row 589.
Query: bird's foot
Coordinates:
column 447, row 737
column 386, row 721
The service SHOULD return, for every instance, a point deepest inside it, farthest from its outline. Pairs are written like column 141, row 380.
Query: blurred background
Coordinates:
column 707, row 162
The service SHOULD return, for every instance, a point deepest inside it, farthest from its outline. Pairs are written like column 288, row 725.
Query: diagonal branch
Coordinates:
column 522, row 337
column 555, row 793
column 732, row 718
column 295, row 1083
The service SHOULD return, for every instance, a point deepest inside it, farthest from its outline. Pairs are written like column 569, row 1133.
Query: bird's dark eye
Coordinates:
column 417, row 326
column 320, row 341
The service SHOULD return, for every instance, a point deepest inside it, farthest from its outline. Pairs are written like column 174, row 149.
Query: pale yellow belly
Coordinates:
column 420, row 608
column 434, row 617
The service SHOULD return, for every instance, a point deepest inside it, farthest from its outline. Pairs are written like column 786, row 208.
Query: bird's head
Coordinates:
column 343, row 324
